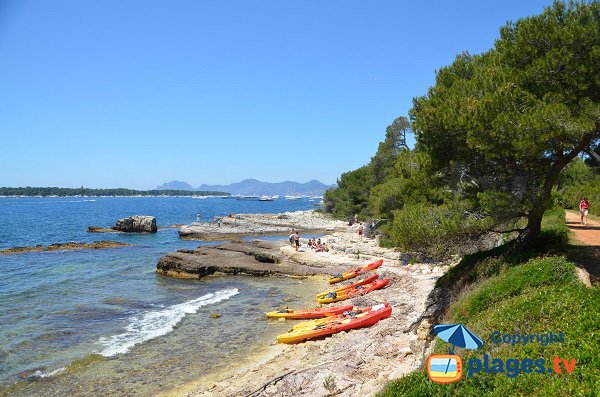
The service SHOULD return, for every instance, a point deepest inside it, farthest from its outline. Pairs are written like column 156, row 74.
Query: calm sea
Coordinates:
column 101, row 322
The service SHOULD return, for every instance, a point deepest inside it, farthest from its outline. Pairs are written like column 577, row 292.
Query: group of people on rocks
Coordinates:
column 317, row 245
column 312, row 243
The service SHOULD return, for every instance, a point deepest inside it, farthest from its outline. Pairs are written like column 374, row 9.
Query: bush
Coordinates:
column 436, row 230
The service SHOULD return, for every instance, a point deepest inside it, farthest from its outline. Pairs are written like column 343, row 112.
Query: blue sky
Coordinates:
column 136, row 93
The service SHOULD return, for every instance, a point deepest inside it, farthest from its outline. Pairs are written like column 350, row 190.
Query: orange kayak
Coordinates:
column 355, row 272
column 332, row 318
column 360, row 320
column 355, row 291
column 317, row 312
column 367, row 280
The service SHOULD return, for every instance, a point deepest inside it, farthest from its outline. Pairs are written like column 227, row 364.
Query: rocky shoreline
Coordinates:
column 256, row 258
column 70, row 246
column 235, row 226
column 360, row 361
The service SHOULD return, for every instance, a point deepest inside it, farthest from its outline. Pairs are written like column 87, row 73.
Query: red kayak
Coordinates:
column 360, row 320
column 317, row 312
column 367, row 280
column 310, row 324
column 355, row 272
column 355, row 291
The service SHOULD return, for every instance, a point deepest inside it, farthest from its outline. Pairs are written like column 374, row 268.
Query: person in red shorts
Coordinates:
column 360, row 231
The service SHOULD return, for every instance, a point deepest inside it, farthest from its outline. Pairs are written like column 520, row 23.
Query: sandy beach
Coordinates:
column 359, row 361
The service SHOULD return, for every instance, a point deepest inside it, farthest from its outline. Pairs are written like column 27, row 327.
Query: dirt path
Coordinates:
column 588, row 253
column 589, row 234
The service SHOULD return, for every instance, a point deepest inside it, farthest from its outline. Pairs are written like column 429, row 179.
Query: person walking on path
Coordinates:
column 360, row 231
column 584, row 209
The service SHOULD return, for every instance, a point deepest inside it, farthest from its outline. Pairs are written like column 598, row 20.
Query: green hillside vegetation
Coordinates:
column 527, row 293
column 66, row 192
column 578, row 180
column 494, row 137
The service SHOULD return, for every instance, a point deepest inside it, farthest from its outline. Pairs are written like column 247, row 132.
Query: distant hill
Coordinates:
column 249, row 187
column 175, row 185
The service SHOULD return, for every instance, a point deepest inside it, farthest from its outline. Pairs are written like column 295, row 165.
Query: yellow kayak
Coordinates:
column 365, row 319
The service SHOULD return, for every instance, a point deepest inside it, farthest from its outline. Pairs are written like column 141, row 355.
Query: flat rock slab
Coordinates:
column 64, row 247
column 250, row 258
column 235, row 226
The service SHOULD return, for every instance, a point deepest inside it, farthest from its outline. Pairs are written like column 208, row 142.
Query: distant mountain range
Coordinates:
column 250, row 187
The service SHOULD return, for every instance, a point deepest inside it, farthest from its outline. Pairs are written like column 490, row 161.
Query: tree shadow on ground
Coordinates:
column 588, row 257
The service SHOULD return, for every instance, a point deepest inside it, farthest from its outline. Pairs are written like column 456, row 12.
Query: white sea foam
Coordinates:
column 156, row 323
column 40, row 374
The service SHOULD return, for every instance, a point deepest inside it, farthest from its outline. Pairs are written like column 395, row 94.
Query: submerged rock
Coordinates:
column 136, row 224
column 72, row 245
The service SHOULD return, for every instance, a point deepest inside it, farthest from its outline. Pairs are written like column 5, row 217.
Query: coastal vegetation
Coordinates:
column 493, row 137
column 504, row 141
column 538, row 291
column 68, row 192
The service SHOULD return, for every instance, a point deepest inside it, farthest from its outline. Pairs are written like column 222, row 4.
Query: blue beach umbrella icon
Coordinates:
column 458, row 335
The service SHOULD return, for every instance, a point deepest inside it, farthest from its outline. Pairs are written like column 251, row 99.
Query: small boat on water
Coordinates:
column 248, row 198
column 265, row 198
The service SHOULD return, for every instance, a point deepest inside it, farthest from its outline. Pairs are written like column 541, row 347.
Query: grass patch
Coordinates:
column 553, row 239
column 524, row 295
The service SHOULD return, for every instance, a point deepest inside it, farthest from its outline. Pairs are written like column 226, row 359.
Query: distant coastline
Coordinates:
column 88, row 192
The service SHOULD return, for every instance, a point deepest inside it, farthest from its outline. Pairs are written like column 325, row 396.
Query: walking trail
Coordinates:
column 587, row 252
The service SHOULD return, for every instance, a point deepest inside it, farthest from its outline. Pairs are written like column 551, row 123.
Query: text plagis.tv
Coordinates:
column 448, row 368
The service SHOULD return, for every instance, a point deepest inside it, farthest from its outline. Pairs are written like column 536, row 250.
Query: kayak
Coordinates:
column 360, row 320
column 367, row 280
column 317, row 312
column 334, row 317
column 355, row 291
column 355, row 272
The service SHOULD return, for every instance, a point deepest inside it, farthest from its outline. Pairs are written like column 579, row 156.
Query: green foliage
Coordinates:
column 354, row 188
column 512, row 282
column 395, row 140
column 483, row 264
column 507, row 122
column 579, row 181
column 437, row 230
column 493, row 135
column 352, row 194
column 411, row 181
column 577, row 173
column 536, row 297
column 64, row 192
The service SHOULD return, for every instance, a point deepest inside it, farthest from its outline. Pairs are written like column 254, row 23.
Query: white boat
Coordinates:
column 265, row 198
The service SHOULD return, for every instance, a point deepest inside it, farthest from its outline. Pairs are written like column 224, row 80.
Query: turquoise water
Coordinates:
column 103, row 320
